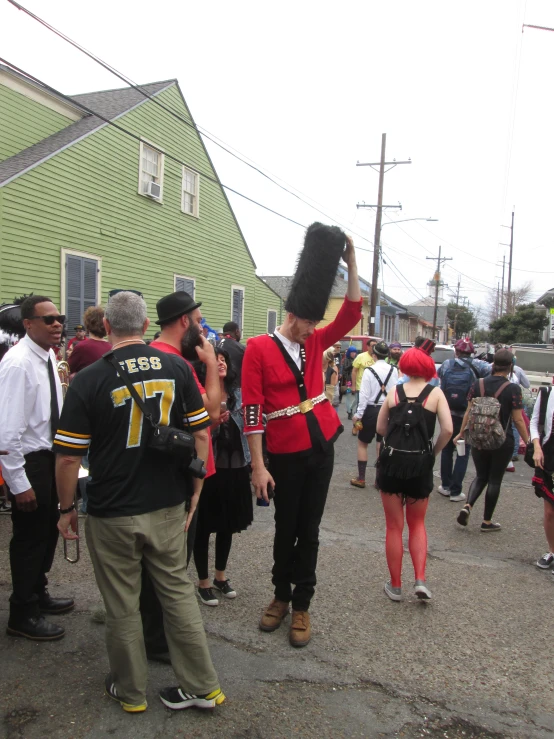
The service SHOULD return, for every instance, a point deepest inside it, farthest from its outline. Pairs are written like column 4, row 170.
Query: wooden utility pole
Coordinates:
column 509, row 296
column 378, row 220
column 502, row 293
column 437, row 285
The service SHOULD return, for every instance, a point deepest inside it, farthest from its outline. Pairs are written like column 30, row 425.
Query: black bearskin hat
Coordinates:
column 316, row 272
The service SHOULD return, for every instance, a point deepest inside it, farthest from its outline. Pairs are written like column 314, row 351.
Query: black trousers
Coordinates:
column 490, row 466
column 150, row 607
column 223, row 543
column 301, row 486
column 34, row 538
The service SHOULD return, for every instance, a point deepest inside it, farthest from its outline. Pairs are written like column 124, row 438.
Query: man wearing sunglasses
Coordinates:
column 30, row 404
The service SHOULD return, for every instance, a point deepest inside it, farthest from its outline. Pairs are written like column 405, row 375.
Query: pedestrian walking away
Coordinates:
column 30, row 403
column 282, row 378
column 117, row 409
column 456, row 379
column 377, row 380
column 493, row 403
column 542, row 437
column 405, row 467
column 348, row 387
column 363, row 360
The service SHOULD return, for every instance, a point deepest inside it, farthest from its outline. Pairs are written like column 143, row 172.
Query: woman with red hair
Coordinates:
column 405, row 468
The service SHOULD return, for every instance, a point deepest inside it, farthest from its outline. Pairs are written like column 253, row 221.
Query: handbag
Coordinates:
column 167, row 440
column 530, row 448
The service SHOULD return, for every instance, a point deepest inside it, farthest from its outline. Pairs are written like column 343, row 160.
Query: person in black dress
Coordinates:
column 225, row 506
column 412, row 494
column 490, row 464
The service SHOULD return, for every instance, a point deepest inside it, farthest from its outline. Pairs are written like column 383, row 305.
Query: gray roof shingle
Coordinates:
column 281, row 285
column 108, row 103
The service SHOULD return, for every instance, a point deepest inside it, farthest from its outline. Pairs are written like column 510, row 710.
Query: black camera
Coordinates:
column 179, row 445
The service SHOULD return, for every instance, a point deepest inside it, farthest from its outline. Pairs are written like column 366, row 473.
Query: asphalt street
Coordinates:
column 473, row 662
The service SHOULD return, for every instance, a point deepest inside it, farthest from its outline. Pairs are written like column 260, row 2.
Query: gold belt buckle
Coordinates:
column 306, row 405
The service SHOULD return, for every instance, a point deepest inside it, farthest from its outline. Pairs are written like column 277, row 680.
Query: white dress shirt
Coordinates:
column 25, row 408
column 370, row 387
column 547, row 421
column 293, row 349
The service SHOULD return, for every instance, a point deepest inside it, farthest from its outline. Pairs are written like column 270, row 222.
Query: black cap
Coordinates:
column 78, row 327
column 381, row 350
column 175, row 305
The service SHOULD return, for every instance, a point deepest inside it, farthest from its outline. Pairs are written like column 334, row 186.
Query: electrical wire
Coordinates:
column 211, row 137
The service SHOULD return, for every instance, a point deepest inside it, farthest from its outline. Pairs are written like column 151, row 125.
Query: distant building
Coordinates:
column 425, row 308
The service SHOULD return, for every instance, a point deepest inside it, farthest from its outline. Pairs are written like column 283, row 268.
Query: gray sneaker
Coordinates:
column 457, row 498
column 421, row 590
column 393, row 593
column 546, row 561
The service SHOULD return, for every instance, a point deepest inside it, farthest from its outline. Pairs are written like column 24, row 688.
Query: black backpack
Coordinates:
column 407, row 450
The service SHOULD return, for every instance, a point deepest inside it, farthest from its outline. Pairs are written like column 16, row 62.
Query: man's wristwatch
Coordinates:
column 68, row 510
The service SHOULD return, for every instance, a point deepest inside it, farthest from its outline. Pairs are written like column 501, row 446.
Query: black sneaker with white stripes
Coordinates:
column 178, row 700
column 207, row 597
column 225, row 588
column 546, row 561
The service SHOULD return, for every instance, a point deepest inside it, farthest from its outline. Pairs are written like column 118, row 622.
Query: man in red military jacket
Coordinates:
column 282, row 377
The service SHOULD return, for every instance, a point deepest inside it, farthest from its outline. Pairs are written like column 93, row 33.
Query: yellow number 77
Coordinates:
column 164, row 388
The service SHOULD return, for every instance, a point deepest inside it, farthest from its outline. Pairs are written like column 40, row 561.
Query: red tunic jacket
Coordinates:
column 268, row 384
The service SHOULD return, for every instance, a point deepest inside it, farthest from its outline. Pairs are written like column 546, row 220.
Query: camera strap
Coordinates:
column 110, row 357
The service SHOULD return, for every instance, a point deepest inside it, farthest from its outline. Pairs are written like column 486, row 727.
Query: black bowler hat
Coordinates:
column 174, row 306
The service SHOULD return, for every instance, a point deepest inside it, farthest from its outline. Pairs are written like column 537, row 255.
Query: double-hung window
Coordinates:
column 151, row 172
column 189, row 202
column 271, row 321
column 80, row 288
column 185, row 284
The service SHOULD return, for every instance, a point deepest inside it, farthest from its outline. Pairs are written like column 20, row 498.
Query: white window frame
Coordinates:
column 196, row 194
column 184, row 277
column 233, row 288
column 271, row 310
column 150, row 145
column 72, row 252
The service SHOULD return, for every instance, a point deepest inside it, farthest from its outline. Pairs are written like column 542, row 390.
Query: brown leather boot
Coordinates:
column 276, row 612
column 300, row 629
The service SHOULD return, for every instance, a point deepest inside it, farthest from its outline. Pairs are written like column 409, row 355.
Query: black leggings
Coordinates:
column 223, row 541
column 490, row 467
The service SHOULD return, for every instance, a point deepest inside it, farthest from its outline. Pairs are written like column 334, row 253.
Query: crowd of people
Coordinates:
column 177, row 434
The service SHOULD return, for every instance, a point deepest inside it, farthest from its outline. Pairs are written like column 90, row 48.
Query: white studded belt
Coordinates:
column 303, row 407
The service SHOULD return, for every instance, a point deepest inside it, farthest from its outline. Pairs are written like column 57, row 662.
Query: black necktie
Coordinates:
column 54, row 410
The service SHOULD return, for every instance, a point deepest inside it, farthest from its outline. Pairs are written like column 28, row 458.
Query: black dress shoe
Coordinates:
column 38, row 629
column 47, row 604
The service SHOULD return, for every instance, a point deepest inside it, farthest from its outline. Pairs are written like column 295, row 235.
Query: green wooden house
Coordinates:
column 86, row 208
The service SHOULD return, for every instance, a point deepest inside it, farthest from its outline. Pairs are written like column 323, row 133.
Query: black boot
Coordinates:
column 36, row 628
column 47, row 604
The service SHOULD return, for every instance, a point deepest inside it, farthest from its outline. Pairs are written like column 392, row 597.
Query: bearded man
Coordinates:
column 281, row 377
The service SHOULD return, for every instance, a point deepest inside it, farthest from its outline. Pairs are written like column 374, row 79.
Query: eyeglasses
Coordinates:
column 49, row 320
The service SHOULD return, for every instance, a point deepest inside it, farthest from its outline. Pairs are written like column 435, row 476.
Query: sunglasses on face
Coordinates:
column 49, row 320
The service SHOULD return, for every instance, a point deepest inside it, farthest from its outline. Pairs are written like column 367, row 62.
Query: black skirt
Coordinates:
column 226, row 501
column 417, row 488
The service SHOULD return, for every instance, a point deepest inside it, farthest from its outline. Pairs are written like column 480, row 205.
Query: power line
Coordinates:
column 178, row 116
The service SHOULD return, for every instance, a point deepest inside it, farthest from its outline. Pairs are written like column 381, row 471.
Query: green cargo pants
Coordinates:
column 117, row 546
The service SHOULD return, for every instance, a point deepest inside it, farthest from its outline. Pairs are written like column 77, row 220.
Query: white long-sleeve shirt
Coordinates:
column 547, row 421
column 519, row 377
column 370, row 387
column 25, row 408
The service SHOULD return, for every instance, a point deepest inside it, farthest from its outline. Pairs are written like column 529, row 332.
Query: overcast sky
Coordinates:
column 305, row 89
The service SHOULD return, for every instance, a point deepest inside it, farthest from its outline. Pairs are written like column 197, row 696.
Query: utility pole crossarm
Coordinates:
column 378, row 164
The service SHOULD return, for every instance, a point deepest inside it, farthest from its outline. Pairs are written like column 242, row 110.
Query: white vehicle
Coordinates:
column 442, row 353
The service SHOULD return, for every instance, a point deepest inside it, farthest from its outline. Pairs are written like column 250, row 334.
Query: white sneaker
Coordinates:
column 511, row 467
column 444, row 491
column 457, row 498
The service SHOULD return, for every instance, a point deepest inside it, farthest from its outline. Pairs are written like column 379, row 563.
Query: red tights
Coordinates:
column 417, row 540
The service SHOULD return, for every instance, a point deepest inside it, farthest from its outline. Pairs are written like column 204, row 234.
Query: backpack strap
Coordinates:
column 383, row 390
column 400, row 394
column 424, row 394
column 481, row 387
column 501, row 389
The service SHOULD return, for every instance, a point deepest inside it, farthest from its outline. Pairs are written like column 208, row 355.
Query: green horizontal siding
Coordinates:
column 86, row 199
column 24, row 122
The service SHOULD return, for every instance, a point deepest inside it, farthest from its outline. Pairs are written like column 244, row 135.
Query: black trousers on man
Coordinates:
column 34, row 538
column 301, row 485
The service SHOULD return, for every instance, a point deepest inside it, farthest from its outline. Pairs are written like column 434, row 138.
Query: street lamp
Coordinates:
column 403, row 220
